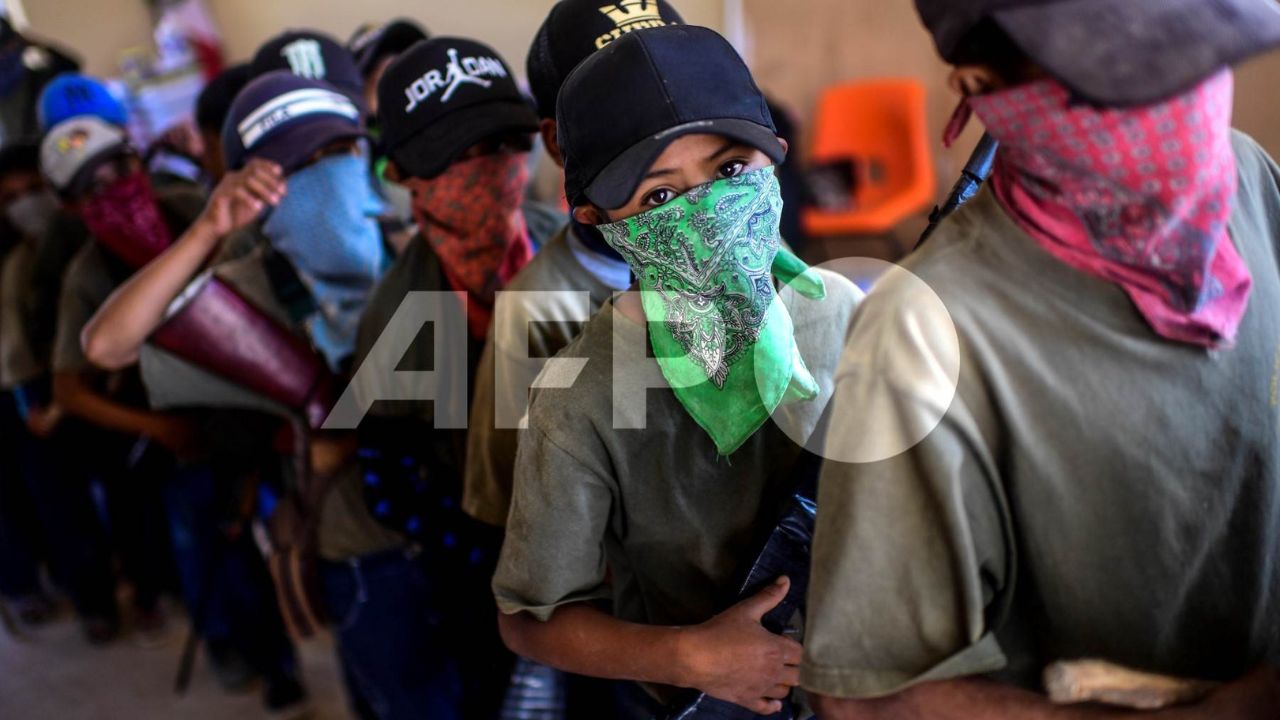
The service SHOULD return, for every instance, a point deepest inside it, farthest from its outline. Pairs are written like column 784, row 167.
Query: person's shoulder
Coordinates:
column 182, row 201
column 88, row 263
column 416, row 269
column 17, row 262
column 570, row 393
column 542, row 220
column 838, row 304
column 1250, row 156
column 972, row 250
column 549, row 269
column 1258, row 174
column 245, row 270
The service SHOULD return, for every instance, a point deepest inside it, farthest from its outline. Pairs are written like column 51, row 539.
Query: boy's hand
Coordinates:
column 43, row 420
column 733, row 657
column 241, row 197
column 1255, row 696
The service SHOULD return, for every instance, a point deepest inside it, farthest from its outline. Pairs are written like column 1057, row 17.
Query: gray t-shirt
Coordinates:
column 94, row 273
column 671, row 521
column 491, row 452
column 1093, row 491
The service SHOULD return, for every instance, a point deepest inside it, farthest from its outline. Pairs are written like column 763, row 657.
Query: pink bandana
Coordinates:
column 1139, row 197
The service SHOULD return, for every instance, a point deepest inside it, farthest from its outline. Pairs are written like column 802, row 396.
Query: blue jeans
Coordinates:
column 66, row 523
column 225, row 581
column 389, row 637
column 20, row 549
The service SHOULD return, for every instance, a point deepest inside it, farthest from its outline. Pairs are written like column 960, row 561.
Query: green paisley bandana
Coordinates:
column 705, row 263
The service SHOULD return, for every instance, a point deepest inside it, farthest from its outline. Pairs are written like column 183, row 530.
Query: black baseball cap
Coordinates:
column 371, row 43
column 1117, row 52
column 443, row 95
column 575, row 29
column 20, row 155
column 214, row 101
column 286, row 118
column 313, row 55
column 626, row 103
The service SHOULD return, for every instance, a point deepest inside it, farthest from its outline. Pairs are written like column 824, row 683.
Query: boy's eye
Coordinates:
column 733, row 168
column 661, row 196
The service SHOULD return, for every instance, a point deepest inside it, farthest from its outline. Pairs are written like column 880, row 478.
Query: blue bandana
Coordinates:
column 327, row 227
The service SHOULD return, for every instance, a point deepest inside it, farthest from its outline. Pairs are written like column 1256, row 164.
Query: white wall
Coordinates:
column 96, row 31
column 99, row 29
column 507, row 25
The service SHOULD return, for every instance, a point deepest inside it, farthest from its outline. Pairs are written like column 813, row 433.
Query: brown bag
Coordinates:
column 294, row 561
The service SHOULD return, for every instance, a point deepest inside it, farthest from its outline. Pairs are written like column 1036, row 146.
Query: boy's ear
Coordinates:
column 972, row 80
column 589, row 215
column 786, row 146
column 547, row 128
column 392, row 172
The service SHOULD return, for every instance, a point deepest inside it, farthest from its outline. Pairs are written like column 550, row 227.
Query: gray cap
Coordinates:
column 1118, row 52
column 75, row 145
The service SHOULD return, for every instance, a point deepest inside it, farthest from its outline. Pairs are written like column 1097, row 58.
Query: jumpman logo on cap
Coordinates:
column 455, row 76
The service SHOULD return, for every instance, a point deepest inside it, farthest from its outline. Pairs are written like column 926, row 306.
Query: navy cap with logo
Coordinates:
column 371, row 43
column 285, row 118
column 313, row 55
column 443, row 95
column 1131, row 52
column 575, row 29
column 214, row 102
column 625, row 104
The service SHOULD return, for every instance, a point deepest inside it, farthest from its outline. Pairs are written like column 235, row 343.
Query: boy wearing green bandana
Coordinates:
column 636, row 512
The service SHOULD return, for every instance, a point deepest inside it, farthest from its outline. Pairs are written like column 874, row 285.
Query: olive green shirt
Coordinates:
column 491, row 451
column 671, row 522
column 1093, row 490
column 94, row 273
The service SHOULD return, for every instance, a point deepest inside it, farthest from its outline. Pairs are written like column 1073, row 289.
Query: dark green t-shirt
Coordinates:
column 1093, row 490
column 672, row 523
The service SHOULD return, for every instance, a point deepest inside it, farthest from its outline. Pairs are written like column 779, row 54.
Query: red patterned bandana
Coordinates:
column 1139, row 197
column 125, row 219
column 471, row 215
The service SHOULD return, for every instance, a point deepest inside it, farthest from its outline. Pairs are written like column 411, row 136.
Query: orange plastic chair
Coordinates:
column 882, row 126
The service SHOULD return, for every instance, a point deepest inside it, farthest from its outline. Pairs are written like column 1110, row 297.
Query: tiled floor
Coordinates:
column 53, row 673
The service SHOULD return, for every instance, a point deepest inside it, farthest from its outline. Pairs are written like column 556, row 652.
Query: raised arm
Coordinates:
column 118, row 330
column 730, row 657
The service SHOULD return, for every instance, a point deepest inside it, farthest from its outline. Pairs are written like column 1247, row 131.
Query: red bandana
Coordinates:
column 471, row 215
column 125, row 219
column 1139, row 197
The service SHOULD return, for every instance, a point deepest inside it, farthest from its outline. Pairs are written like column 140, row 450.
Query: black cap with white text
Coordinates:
column 443, row 95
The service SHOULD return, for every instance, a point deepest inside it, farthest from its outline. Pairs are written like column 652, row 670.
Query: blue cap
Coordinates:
column 286, row 118
column 73, row 95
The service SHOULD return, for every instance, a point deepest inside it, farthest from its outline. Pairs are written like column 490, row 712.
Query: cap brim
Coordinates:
column 1138, row 52
column 82, row 178
column 292, row 147
column 615, row 184
column 428, row 152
